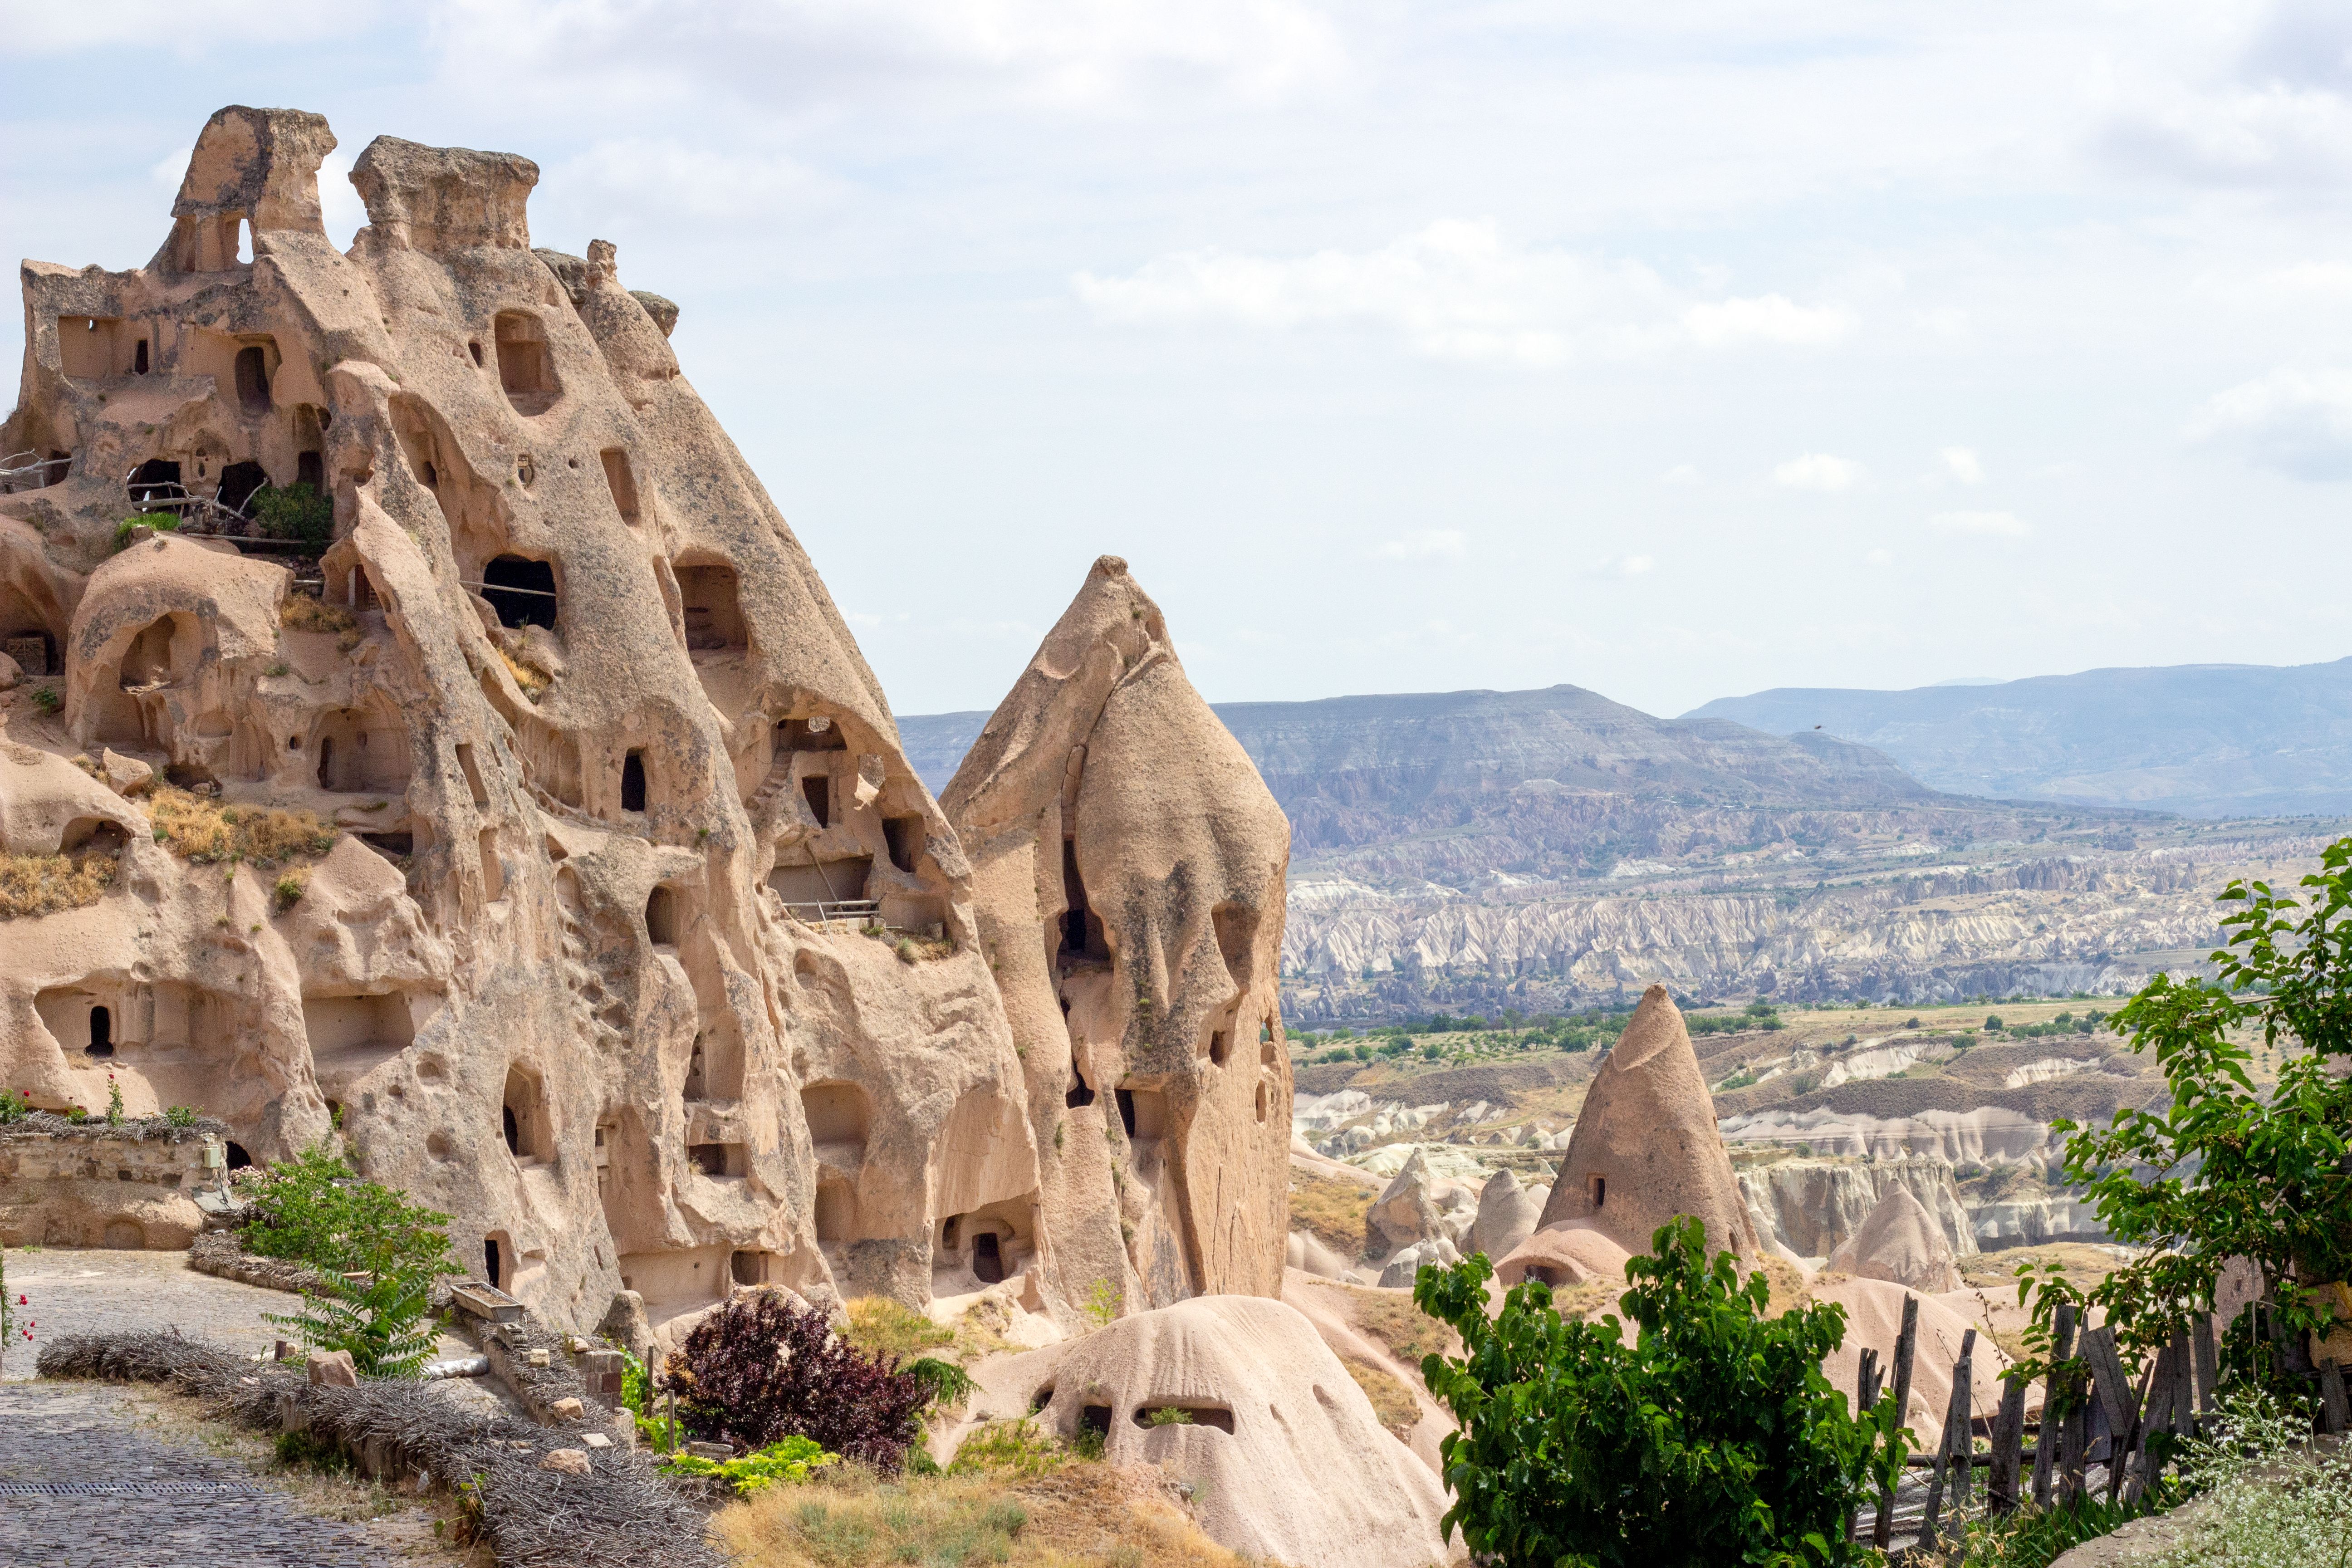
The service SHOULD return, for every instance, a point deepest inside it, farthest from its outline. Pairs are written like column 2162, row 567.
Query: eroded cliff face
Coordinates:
column 614, row 799
column 1809, row 1206
column 1130, row 871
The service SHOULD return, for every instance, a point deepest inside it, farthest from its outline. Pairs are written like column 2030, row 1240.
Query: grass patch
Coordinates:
column 44, row 884
column 301, row 612
column 1409, row 1335
column 534, row 683
column 1393, row 1401
column 196, row 828
column 2085, row 1265
column 1332, row 1210
column 1009, row 1449
column 1060, row 1518
column 879, row 1326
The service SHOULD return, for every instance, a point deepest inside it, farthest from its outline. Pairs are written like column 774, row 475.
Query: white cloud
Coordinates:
column 172, row 168
column 1880, row 557
column 1085, row 52
column 2298, row 422
column 1818, row 471
column 1963, row 464
column 1456, row 289
column 35, row 26
column 1682, row 474
column 1625, row 566
column 1771, row 319
column 1448, row 544
column 1999, row 524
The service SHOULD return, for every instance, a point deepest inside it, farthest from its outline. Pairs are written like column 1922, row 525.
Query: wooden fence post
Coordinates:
column 2157, row 1400
column 2208, row 1362
column 2336, row 1411
column 2118, row 1401
column 1958, row 1444
column 1907, row 1345
column 2050, row 1439
column 2008, row 1447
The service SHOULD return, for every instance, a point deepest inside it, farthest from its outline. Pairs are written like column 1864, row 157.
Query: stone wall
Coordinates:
column 130, row 1186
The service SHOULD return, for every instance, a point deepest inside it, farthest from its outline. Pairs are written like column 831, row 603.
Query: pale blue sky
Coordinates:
column 1672, row 351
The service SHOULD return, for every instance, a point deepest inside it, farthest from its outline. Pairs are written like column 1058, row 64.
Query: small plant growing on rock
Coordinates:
column 1102, row 1305
column 1168, row 1416
column 113, row 1102
column 291, row 887
column 297, row 512
column 13, row 1106
column 180, row 1116
column 47, row 699
column 760, row 1369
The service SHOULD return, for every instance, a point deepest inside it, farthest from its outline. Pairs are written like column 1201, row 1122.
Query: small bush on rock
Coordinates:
column 760, row 1369
column 314, row 1210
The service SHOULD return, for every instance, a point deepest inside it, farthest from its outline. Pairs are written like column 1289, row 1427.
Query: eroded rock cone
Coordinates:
column 1899, row 1241
column 1646, row 1147
column 1507, row 1214
column 1128, row 866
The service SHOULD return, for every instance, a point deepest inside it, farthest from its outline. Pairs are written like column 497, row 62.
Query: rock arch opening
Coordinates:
column 619, row 478
column 632, row 782
column 253, row 380
column 661, row 916
column 1082, row 930
column 521, row 592
column 359, row 750
column 711, row 603
column 102, row 1032
column 523, row 1118
column 526, row 369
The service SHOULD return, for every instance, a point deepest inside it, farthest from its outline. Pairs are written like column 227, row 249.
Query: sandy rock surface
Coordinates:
column 1900, row 1242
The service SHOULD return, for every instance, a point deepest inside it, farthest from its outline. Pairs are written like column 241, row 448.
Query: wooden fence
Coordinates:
column 2104, row 1440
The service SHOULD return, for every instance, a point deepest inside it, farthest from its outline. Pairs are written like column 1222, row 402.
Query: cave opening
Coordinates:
column 818, row 790
column 101, row 1032
column 632, row 782
column 521, row 592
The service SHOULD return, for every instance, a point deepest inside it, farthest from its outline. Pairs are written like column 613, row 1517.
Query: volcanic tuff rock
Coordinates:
column 609, row 788
column 1127, row 872
column 1289, row 1460
column 1646, row 1147
column 1811, row 1206
column 1899, row 1241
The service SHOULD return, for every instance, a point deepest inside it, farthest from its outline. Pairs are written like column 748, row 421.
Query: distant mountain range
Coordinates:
column 1480, row 850
column 2203, row 739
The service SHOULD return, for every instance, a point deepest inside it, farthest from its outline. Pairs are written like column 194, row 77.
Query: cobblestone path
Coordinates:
column 82, row 1487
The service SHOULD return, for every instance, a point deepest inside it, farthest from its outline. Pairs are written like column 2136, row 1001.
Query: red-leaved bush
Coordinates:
column 760, row 1369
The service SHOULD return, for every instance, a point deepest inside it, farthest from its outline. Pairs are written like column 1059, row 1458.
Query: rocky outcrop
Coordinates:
column 1899, row 1242
column 1418, row 1206
column 1507, row 1214
column 1129, row 867
column 617, row 809
column 1810, row 1206
column 1645, row 1148
column 1287, row 1460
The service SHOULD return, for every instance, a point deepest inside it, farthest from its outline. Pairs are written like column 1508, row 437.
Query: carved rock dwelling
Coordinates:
column 629, row 939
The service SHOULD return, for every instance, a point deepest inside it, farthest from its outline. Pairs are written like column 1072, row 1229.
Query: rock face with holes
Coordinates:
column 635, row 943
column 1645, row 1149
column 1128, row 866
column 1241, row 1397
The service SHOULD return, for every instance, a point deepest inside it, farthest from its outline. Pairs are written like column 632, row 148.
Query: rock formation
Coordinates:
column 1899, row 1242
column 1508, row 1214
column 1646, row 1147
column 609, row 810
column 1289, row 1461
column 1127, row 871
column 1810, row 1206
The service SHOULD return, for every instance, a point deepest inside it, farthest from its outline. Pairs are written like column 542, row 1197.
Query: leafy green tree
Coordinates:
column 2228, row 1169
column 1713, row 1438
column 297, row 512
column 377, row 1255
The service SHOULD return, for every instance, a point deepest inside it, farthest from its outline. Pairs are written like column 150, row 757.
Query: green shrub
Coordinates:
column 297, row 512
column 160, row 521
column 950, row 1384
column 14, row 1107
column 1713, row 1437
column 312, row 1209
column 2225, row 1168
column 47, row 699
column 786, row 1459
column 181, row 1116
column 1168, row 1416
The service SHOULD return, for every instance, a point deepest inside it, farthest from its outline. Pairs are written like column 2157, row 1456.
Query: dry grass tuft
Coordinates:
column 1393, row 1401
column 879, row 1326
column 303, row 612
column 2085, row 1265
column 201, row 829
column 534, row 682
column 1332, row 1210
column 1072, row 1514
column 1410, row 1334
column 44, row 884
column 1789, row 1289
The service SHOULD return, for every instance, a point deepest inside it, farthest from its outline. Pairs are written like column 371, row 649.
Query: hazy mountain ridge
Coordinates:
column 2205, row 739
